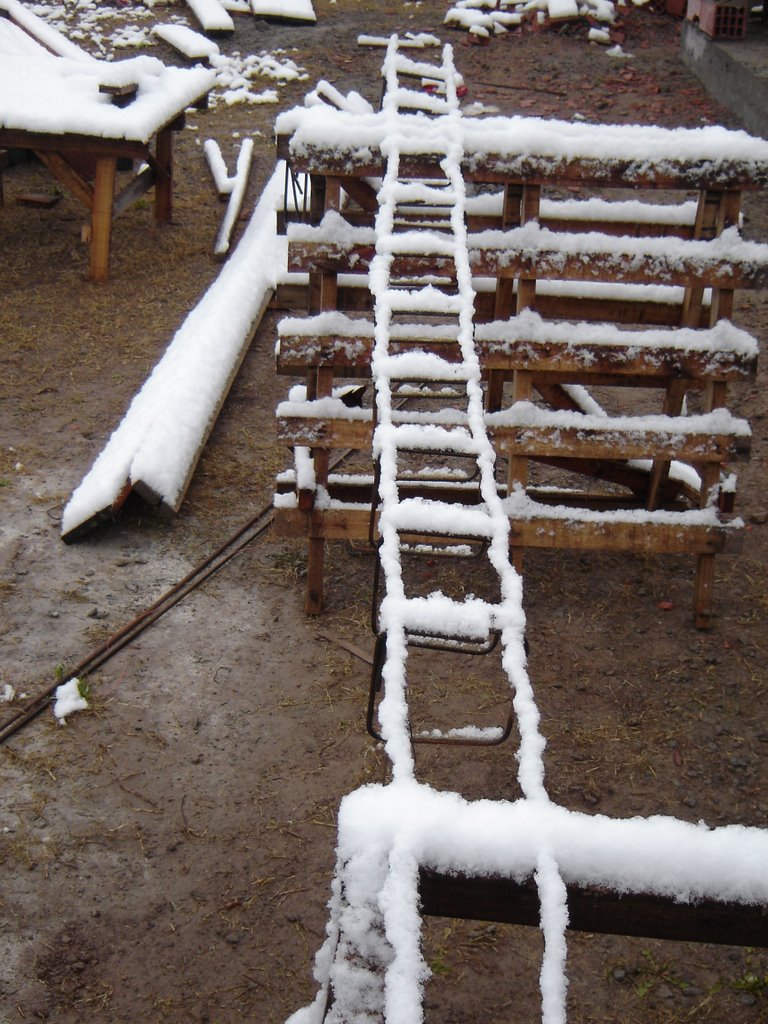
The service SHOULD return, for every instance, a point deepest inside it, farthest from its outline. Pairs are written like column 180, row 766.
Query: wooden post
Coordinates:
column 323, row 290
column 704, row 583
column 164, row 177
column 727, row 216
column 101, row 218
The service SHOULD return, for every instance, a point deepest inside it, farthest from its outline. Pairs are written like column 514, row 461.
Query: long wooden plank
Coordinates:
column 609, row 442
column 348, row 354
column 355, row 297
column 507, row 258
column 542, row 531
column 595, row 910
column 16, row 138
column 610, row 171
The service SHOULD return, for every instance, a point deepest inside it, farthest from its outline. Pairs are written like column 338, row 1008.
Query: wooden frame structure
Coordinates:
column 617, row 291
column 404, row 849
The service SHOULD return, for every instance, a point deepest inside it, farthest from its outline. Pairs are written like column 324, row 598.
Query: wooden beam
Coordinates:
column 656, row 366
column 506, row 259
column 577, row 442
column 92, row 145
column 607, row 172
column 64, row 173
column 540, row 531
column 595, row 910
column 133, row 191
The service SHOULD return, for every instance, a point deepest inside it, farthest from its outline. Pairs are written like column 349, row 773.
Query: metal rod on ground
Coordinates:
column 126, row 634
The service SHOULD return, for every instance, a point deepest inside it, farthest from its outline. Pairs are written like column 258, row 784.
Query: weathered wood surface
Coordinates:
column 595, row 910
column 508, row 258
column 349, row 354
column 539, row 531
column 606, row 172
column 587, row 442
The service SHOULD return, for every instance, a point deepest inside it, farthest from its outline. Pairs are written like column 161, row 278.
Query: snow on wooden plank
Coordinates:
column 236, row 196
column 218, row 168
column 186, row 41
column 212, row 16
column 49, row 38
column 284, row 10
column 157, row 445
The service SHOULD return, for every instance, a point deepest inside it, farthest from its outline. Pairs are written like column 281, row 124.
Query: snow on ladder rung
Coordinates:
column 418, row 243
column 424, row 300
column 424, row 366
column 428, row 437
column 438, row 518
column 429, row 103
column 420, row 192
column 419, row 68
column 438, row 615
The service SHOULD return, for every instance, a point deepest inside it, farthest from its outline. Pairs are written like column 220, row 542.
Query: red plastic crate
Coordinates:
column 719, row 21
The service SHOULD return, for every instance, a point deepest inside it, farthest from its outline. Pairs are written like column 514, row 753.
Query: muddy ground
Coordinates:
column 166, row 855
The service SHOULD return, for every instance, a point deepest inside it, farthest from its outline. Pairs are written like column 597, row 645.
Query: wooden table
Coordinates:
column 83, row 118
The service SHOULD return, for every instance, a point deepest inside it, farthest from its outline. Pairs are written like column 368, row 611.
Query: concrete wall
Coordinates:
column 733, row 71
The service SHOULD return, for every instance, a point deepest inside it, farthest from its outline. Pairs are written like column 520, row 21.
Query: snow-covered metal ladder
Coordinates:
column 473, row 624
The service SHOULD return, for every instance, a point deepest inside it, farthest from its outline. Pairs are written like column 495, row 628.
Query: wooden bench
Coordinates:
column 612, row 291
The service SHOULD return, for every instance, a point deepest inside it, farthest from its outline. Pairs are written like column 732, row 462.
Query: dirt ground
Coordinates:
column 167, row 855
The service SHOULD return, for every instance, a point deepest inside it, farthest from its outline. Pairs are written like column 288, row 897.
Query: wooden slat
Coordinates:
column 606, row 172
column 16, row 138
column 610, row 442
column 348, row 354
column 645, row 537
column 550, row 265
column 642, row 311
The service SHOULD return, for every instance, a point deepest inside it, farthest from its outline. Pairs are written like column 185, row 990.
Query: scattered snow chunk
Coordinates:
column 69, row 698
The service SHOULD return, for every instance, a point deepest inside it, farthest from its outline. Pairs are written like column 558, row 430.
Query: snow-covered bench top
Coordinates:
column 339, row 142
column 60, row 96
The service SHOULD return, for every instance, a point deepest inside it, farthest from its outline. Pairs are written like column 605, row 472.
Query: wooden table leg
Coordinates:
column 164, row 177
column 101, row 218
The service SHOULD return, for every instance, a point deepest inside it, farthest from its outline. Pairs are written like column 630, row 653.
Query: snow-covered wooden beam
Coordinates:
column 155, row 448
column 291, row 11
column 723, row 352
column 527, row 431
column 186, row 41
column 534, row 252
column 44, row 34
column 237, row 186
column 529, row 149
column 594, row 910
column 632, row 530
column 212, row 17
